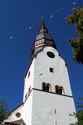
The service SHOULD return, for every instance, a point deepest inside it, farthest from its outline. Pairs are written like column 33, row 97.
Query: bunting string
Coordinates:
column 51, row 15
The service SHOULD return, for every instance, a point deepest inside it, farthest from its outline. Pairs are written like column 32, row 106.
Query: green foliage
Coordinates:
column 77, row 43
column 4, row 112
column 79, row 114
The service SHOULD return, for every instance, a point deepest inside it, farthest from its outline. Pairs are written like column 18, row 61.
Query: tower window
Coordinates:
column 26, row 97
column 50, row 54
column 28, row 93
column 46, row 87
column 51, row 69
column 43, row 86
column 29, row 90
column 58, row 89
column 28, row 73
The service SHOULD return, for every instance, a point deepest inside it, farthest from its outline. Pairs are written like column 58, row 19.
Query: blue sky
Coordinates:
column 15, row 15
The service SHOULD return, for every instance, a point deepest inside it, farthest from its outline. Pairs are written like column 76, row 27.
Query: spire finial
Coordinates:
column 42, row 19
column 43, row 27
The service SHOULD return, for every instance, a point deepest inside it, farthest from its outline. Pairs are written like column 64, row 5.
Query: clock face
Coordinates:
column 50, row 54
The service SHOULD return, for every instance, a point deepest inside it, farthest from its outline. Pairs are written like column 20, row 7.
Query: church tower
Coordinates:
column 47, row 98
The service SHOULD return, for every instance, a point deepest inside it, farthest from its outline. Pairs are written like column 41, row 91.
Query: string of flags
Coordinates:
column 51, row 15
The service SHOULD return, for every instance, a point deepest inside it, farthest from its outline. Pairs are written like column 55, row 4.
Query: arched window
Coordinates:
column 59, row 90
column 43, row 86
column 46, row 87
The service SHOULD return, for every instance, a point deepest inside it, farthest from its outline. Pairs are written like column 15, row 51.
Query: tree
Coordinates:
column 79, row 114
column 4, row 112
column 77, row 42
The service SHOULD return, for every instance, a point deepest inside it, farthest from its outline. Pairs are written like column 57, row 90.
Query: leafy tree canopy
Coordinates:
column 79, row 114
column 4, row 112
column 77, row 43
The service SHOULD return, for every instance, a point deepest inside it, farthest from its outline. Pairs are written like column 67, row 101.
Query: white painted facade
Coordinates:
column 46, row 108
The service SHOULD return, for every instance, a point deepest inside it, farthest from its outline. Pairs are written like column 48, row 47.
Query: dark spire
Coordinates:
column 42, row 40
column 43, row 28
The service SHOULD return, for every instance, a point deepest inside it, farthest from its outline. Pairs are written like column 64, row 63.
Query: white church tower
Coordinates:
column 47, row 98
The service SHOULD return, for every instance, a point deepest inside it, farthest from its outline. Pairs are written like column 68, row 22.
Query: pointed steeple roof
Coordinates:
column 42, row 39
column 43, row 32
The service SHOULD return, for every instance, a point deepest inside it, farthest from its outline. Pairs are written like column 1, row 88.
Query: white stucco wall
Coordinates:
column 29, row 81
column 58, row 77
column 27, row 110
column 44, row 106
column 41, row 64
